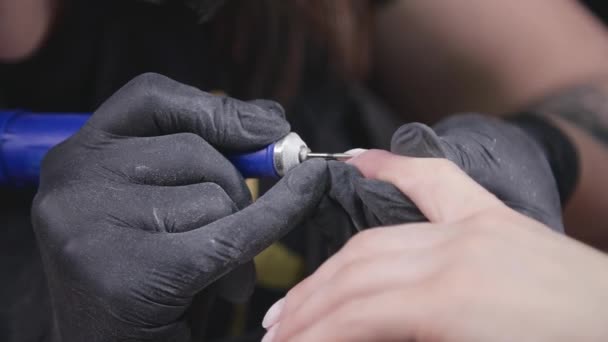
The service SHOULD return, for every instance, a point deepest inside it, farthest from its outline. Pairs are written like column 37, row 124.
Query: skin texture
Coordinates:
column 477, row 272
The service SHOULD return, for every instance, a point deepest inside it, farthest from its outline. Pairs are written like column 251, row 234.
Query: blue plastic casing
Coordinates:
column 25, row 138
column 257, row 164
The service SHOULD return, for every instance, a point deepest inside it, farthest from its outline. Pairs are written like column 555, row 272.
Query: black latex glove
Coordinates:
column 137, row 213
column 505, row 159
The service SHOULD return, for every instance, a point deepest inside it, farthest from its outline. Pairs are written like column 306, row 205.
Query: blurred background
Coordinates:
column 348, row 72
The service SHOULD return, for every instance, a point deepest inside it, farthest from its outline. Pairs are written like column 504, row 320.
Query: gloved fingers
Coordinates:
column 152, row 105
column 369, row 202
column 180, row 208
column 335, row 226
column 417, row 140
column 492, row 151
column 183, row 208
column 342, row 192
column 385, row 204
column 220, row 246
column 174, row 160
column 466, row 123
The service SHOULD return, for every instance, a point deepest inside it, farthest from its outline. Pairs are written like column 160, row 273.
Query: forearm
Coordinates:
column 23, row 26
column 438, row 57
column 582, row 113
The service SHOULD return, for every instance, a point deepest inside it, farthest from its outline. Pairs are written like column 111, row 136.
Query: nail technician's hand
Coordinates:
column 139, row 211
column 478, row 272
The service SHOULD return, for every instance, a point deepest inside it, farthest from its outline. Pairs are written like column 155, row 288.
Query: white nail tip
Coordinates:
column 272, row 315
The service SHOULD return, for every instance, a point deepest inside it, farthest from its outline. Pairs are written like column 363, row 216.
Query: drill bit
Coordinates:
column 329, row 156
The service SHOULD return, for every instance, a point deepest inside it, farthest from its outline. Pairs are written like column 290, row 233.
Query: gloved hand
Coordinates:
column 138, row 212
column 511, row 162
column 502, row 157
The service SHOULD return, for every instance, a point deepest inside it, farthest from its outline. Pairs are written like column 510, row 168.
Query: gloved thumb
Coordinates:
column 224, row 244
column 417, row 140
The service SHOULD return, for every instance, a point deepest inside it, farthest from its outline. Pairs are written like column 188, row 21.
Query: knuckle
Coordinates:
column 223, row 255
column 42, row 207
column 189, row 141
column 191, row 148
column 221, row 205
column 269, row 107
column 146, row 88
column 47, row 210
column 147, row 78
column 71, row 250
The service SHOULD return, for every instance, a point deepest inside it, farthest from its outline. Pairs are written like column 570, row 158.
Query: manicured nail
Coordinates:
column 271, row 334
column 272, row 315
column 355, row 151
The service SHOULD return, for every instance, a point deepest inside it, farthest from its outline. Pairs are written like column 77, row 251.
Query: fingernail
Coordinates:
column 272, row 315
column 356, row 151
column 271, row 334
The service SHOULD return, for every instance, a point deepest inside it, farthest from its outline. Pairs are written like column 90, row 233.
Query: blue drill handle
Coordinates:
column 258, row 164
column 26, row 137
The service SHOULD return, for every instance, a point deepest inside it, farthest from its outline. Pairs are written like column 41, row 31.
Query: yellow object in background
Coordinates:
column 254, row 187
column 278, row 267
